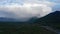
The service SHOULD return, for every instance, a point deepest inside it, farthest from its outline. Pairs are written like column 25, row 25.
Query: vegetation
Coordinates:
column 33, row 26
column 52, row 19
column 20, row 28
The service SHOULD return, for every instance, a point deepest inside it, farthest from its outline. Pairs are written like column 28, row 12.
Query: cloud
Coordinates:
column 28, row 9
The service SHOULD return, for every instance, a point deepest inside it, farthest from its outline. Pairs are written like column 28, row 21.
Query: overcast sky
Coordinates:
column 27, row 8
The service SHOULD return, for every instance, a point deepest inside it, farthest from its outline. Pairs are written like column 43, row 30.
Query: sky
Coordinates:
column 26, row 9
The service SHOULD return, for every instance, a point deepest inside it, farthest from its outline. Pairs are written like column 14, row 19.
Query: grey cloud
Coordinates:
column 30, row 8
column 7, row 14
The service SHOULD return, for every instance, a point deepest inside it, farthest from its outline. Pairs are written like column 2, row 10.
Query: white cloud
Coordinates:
column 30, row 8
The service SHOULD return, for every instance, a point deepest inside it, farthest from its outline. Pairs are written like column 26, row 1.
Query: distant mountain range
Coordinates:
column 4, row 19
column 52, row 19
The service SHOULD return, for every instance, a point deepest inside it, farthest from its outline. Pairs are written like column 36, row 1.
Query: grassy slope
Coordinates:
column 11, row 28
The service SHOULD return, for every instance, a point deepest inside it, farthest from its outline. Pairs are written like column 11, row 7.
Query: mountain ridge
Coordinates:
column 52, row 19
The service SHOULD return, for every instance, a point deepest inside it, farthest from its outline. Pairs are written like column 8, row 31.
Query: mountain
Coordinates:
column 4, row 19
column 32, row 20
column 10, row 25
column 52, row 19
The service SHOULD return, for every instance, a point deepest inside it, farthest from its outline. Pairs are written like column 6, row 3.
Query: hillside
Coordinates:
column 44, row 25
column 52, row 19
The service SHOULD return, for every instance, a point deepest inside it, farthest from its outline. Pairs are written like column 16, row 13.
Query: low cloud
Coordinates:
column 28, row 9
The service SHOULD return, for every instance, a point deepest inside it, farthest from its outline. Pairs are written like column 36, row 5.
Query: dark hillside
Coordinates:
column 52, row 19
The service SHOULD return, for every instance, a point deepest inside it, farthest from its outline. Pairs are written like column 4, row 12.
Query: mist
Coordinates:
column 27, row 9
